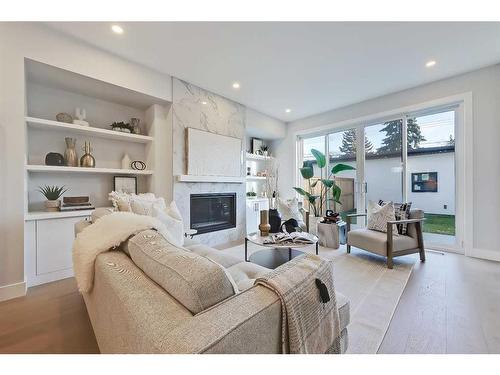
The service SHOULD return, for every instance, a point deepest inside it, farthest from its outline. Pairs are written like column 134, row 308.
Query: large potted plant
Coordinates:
column 52, row 194
column 328, row 189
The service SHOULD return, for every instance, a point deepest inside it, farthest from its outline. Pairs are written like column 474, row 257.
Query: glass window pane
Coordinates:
column 383, row 161
column 431, row 173
column 342, row 149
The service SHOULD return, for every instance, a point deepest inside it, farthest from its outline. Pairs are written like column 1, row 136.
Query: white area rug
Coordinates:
column 372, row 289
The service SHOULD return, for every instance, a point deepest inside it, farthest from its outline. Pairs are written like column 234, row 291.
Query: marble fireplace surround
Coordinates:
column 194, row 107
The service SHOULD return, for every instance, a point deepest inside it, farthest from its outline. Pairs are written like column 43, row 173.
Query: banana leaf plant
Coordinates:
column 329, row 190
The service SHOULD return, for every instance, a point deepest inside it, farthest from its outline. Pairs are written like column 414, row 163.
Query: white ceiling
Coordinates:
column 307, row 67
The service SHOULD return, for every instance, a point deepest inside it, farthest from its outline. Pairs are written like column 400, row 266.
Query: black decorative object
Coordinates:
column 323, row 291
column 138, row 165
column 274, row 220
column 290, row 226
column 54, row 158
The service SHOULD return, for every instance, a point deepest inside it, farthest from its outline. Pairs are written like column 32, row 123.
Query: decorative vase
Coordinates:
column 126, row 161
column 87, row 160
column 313, row 224
column 274, row 220
column 264, row 226
column 134, row 122
column 52, row 205
column 70, row 156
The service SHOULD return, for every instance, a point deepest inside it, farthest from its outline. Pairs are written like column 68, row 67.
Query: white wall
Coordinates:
column 485, row 87
column 263, row 126
column 27, row 40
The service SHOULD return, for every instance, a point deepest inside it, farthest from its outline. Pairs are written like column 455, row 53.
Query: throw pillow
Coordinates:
column 378, row 216
column 195, row 281
column 122, row 201
column 172, row 219
column 141, row 206
column 401, row 212
column 289, row 209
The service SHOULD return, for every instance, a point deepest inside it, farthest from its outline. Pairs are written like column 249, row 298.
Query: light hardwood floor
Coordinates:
column 451, row 304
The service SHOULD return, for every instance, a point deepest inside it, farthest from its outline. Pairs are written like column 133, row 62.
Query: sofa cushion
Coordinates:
column 195, row 281
column 343, row 307
column 245, row 273
column 218, row 256
column 376, row 242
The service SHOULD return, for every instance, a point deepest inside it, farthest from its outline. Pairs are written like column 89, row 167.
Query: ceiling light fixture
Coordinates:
column 236, row 85
column 117, row 29
column 288, row 110
column 204, row 102
column 430, row 63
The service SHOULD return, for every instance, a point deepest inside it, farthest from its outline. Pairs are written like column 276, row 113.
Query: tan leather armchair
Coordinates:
column 389, row 244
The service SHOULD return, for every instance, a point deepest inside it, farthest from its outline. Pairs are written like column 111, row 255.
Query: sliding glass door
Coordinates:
column 409, row 158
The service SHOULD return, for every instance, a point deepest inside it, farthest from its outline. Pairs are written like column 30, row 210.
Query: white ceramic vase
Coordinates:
column 126, row 162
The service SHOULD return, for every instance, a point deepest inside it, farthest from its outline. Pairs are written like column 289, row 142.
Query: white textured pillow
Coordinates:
column 289, row 209
column 378, row 216
column 172, row 219
column 121, row 200
column 141, row 206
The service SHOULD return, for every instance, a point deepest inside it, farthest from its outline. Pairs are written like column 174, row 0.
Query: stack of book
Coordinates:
column 76, row 203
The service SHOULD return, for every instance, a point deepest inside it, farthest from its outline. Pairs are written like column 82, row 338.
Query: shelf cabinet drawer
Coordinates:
column 54, row 242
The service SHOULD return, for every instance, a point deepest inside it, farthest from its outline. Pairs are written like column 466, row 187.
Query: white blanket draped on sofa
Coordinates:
column 107, row 233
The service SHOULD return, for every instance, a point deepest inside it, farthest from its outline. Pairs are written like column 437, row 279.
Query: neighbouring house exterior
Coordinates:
column 384, row 178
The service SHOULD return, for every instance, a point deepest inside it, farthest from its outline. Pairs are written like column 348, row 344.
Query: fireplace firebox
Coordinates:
column 213, row 212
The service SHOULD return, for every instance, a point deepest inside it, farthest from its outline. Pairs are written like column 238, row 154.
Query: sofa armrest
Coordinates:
column 249, row 322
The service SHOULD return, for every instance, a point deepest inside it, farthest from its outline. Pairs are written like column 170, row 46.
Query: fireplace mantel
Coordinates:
column 221, row 179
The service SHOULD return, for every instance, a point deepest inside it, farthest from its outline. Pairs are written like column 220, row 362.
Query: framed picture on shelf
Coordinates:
column 256, row 145
column 126, row 184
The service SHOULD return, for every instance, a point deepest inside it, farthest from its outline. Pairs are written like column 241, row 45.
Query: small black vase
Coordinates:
column 274, row 220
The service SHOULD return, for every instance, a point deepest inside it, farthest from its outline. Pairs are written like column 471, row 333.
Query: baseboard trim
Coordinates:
column 484, row 254
column 12, row 291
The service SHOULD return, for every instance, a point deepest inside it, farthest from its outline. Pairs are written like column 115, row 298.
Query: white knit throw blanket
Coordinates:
column 308, row 324
column 103, row 235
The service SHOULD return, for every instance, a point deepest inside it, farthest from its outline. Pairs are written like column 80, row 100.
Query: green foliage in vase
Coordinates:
column 52, row 193
column 329, row 190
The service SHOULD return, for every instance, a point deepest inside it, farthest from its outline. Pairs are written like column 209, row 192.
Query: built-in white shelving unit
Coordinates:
column 225, row 179
column 48, row 236
column 38, row 123
column 114, row 171
column 251, row 156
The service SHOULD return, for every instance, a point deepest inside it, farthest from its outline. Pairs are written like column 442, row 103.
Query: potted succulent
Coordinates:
column 328, row 189
column 52, row 194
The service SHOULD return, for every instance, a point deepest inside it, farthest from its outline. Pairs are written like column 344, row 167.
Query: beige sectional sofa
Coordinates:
column 130, row 313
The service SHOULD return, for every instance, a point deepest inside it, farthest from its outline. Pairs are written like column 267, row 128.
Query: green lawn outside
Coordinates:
column 440, row 224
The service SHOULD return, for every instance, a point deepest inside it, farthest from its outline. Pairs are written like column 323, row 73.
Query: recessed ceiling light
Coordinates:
column 236, row 85
column 430, row 63
column 288, row 110
column 117, row 29
column 204, row 102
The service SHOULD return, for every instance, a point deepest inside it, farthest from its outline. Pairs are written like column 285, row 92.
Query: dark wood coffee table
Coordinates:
column 273, row 255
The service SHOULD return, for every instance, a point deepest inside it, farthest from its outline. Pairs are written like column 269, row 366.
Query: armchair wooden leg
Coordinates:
column 422, row 254
column 420, row 238
column 348, row 249
column 390, row 246
column 390, row 263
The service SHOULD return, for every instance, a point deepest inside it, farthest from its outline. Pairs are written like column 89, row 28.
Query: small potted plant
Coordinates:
column 265, row 150
column 52, row 194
